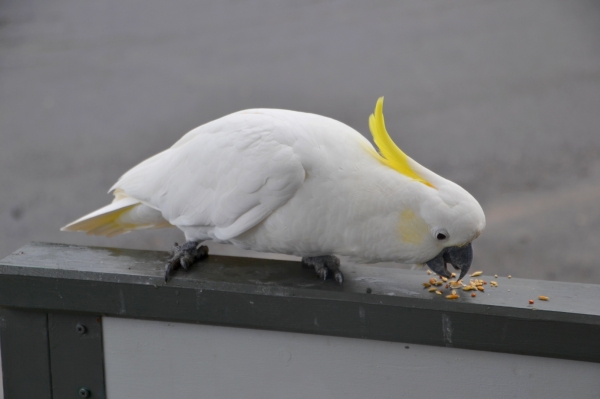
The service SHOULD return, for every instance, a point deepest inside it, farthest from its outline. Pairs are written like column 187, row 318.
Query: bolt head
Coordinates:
column 80, row 328
column 84, row 393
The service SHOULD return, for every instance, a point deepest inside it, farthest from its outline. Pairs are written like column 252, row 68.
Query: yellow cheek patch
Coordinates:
column 412, row 228
column 389, row 153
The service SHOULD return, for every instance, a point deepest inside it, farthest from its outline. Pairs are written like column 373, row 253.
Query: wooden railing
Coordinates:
column 56, row 298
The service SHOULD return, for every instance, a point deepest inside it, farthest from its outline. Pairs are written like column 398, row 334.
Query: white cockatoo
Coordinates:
column 295, row 183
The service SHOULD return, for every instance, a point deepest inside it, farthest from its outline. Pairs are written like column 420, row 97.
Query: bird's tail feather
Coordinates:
column 125, row 214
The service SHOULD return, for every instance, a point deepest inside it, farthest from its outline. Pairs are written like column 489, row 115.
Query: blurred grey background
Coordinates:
column 502, row 97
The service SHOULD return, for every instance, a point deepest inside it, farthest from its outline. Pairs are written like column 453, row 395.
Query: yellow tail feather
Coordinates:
column 104, row 224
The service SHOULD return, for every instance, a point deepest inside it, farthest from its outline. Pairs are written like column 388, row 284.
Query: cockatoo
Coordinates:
column 295, row 183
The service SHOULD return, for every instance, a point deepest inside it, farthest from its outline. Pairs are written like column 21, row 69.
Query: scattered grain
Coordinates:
column 438, row 292
column 543, row 298
column 531, row 301
column 473, row 295
column 476, row 274
column 452, row 296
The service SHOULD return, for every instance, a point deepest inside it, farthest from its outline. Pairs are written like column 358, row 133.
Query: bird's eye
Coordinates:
column 441, row 235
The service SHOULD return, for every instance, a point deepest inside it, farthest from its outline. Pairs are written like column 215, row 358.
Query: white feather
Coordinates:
column 296, row 183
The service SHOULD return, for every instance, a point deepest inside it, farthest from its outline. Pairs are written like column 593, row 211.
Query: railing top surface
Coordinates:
column 127, row 266
column 281, row 295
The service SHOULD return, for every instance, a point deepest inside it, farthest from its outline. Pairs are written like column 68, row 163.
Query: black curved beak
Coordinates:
column 459, row 257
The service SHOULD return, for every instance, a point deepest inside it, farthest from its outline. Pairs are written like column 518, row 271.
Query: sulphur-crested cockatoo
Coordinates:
column 294, row 183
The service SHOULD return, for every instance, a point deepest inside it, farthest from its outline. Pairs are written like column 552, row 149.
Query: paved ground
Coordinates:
column 502, row 97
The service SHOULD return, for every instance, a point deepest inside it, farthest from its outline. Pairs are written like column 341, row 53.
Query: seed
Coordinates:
column 438, row 292
column 428, row 271
column 509, row 276
column 495, row 276
column 432, row 281
column 453, row 275
column 531, row 301
column 455, row 284
column 444, row 279
column 476, row 274
column 493, row 283
column 543, row 298
column 480, row 287
column 432, row 289
column 453, row 292
column 473, row 295
column 426, row 285
column 452, row 296
column 468, row 288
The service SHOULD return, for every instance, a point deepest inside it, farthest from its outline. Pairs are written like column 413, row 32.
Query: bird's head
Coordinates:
column 455, row 219
column 440, row 217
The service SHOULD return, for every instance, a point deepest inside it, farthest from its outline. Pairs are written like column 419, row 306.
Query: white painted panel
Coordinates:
column 147, row 359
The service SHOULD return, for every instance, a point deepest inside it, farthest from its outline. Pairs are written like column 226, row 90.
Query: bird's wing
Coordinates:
column 229, row 174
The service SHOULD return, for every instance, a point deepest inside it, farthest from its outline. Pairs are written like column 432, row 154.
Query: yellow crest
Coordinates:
column 389, row 153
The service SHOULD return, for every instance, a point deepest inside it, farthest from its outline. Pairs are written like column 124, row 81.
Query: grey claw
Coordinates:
column 184, row 256
column 167, row 271
column 322, row 273
column 183, row 263
column 339, row 278
column 327, row 266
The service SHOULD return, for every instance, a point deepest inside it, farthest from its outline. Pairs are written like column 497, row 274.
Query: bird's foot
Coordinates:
column 327, row 266
column 184, row 255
